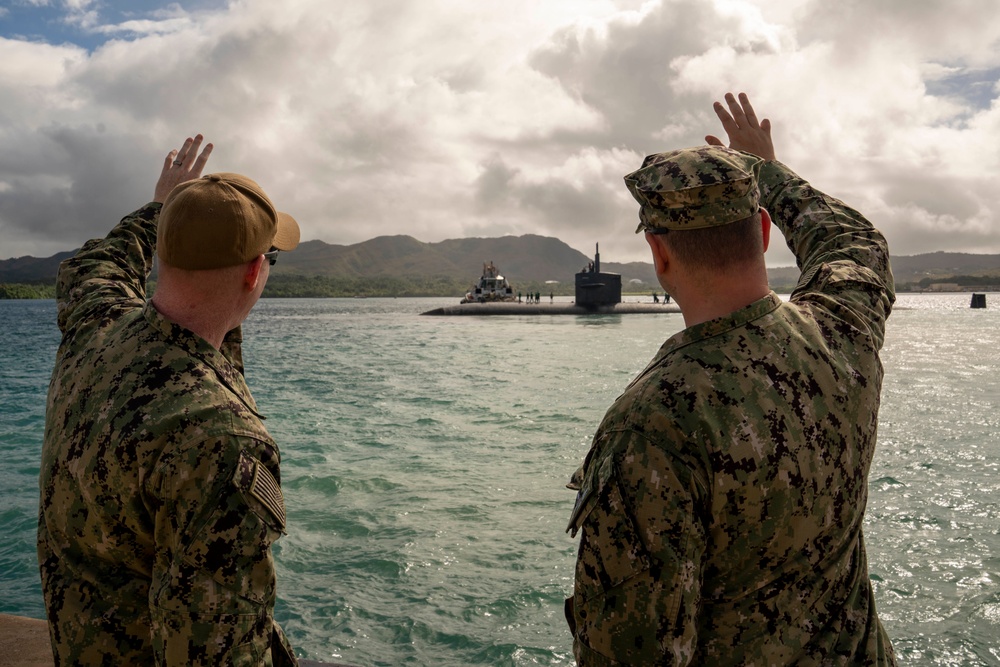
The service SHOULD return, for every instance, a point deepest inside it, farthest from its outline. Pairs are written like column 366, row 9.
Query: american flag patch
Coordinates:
column 265, row 489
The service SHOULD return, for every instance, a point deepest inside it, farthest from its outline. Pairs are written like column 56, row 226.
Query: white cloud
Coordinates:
column 144, row 27
column 449, row 118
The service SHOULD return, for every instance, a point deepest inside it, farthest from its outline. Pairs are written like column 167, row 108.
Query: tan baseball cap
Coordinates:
column 220, row 220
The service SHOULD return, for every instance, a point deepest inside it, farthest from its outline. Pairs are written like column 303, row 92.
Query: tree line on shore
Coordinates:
column 315, row 286
column 292, row 286
column 27, row 291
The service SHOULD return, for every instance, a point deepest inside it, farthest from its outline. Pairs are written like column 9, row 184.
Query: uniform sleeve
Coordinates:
column 641, row 559
column 108, row 271
column 844, row 260
column 218, row 509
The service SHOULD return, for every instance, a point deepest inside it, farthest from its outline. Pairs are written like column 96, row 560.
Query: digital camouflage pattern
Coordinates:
column 692, row 188
column 160, row 486
column 721, row 503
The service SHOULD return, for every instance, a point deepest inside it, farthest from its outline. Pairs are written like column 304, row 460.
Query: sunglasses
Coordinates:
column 271, row 256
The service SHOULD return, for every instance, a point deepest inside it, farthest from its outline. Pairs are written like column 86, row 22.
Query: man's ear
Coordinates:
column 252, row 273
column 765, row 227
column 660, row 257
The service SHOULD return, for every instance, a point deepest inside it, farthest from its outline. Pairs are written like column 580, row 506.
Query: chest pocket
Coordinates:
column 610, row 549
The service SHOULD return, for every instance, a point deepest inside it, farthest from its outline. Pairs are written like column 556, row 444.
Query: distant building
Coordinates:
column 594, row 288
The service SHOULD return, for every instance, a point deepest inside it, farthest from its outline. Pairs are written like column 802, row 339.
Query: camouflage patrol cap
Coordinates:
column 692, row 188
column 220, row 220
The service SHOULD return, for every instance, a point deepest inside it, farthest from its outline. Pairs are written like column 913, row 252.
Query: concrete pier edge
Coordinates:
column 25, row 642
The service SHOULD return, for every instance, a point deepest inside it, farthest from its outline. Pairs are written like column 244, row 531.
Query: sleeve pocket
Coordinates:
column 611, row 551
column 234, row 544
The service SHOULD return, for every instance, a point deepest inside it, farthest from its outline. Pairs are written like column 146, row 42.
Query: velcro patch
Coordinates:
column 265, row 489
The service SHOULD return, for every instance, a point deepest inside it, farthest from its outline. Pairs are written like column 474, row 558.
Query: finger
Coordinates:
column 199, row 164
column 183, row 152
column 736, row 110
column 728, row 122
column 766, row 126
column 193, row 148
column 168, row 161
column 712, row 140
column 748, row 110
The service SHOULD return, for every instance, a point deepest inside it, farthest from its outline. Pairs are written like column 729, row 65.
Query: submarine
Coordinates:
column 597, row 293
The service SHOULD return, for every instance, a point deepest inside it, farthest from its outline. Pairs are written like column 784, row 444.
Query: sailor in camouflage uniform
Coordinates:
column 160, row 494
column 721, row 505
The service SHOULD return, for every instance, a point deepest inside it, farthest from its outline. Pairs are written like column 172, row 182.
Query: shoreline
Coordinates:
column 783, row 290
column 513, row 308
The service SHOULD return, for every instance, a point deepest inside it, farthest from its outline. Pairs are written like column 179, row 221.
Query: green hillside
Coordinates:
column 404, row 266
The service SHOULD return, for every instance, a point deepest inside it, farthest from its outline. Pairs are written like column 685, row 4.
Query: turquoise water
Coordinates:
column 424, row 463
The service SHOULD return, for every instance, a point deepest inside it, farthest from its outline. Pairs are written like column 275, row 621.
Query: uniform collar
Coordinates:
column 229, row 374
column 716, row 327
column 721, row 325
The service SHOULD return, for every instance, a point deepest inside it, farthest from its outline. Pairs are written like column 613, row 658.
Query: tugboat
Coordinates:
column 491, row 287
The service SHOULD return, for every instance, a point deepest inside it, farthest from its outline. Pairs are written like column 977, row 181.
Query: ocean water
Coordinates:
column 424, row 463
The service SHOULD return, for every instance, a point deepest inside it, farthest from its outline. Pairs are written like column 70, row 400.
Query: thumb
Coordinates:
column 712, row 140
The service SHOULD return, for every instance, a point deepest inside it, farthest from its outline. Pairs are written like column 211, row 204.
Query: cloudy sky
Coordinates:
column 455, row 118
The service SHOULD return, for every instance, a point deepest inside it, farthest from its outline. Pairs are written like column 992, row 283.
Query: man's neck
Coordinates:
column 721, row 296
column 206, row 325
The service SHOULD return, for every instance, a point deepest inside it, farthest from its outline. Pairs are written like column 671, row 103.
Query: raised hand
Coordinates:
column 744, row 131
column 180, row 166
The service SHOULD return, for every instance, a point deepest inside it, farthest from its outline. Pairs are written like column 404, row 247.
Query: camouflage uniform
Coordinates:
column 160, row 493
column 721, row 503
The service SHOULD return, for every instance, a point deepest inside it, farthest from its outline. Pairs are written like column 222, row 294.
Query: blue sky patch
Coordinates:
column 89, row 24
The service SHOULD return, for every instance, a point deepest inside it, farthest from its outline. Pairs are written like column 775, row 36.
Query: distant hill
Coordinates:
column 528, row 258
column 29, row 269
column 523, row 259
column 912, row 268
